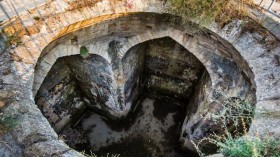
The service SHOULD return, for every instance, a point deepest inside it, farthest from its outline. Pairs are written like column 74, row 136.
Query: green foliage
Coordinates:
column 222, row 11
column 93, row 155
column 245, row 146
column 84, row 52
column 13, row 39
column 234, row 111
column 235, row 117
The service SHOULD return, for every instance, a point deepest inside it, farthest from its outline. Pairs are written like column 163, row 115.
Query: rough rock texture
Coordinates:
column 2, row 43
column 170, row 69
column 95, row 79
column 133, row 66
column 59, row 98
column 255, row 53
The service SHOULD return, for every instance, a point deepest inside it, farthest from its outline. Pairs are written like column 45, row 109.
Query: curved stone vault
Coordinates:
column 239, row 62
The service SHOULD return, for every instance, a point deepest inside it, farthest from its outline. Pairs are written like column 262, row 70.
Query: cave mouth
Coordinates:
column 158, row 77
column 139, row 104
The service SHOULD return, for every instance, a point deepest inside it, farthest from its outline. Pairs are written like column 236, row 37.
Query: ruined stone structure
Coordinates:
column 68, row 59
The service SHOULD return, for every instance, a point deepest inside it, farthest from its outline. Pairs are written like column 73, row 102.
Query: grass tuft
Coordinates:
column 222, row 11
column 235, row 117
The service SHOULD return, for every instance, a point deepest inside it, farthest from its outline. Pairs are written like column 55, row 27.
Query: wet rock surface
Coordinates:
column 152, row 130
column 59, row 98
column 170, row 69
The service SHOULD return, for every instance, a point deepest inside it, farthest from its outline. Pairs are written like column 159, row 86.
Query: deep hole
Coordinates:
column 134, row 106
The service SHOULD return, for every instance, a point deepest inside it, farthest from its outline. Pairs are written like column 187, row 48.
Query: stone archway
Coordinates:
column 227, row 70
column 264, row 75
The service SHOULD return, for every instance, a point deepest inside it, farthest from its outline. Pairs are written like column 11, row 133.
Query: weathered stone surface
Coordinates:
column 257, row 62
column 59, row 98
column 2, row 43
column 133, row 66
column 47, row 148
column 216, row 155
column 71, row 153
column 96, row 81
column 170, row 69
column 207, row 100
column 197, row 106
column 9, row 147
column 266, row 119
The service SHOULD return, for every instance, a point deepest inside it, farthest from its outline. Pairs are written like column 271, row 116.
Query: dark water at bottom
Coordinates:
column 153, row 130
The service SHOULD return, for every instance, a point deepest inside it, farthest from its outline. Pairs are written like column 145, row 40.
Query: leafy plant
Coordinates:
column 84, row 52
column 13, row 39
column 247, row 146
column 235, row 117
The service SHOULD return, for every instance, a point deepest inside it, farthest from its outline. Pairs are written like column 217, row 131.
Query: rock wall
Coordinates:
column 77, row 82
column 133, row 66
column 207, row 102
column 255, row 52
column 198, row 103
column 170, row 69
column 59, row 97
column 95, row 79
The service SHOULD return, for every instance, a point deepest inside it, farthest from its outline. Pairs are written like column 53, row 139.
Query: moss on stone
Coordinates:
column 6, row 124
column 84, row 52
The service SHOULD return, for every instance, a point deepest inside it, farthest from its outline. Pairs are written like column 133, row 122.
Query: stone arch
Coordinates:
column 260, row 73
column 201, row 49
column 216, row 54
column 61, row 99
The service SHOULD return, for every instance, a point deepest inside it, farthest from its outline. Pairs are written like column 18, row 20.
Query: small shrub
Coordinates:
column 246, row 146
column 222, row 11
column 235, row 117
column 84, row 52
column 13, row 39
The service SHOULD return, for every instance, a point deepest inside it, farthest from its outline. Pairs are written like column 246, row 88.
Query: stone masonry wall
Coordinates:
column 255, row 53
column 58, row 98
column 170, row 69
column 133, row 67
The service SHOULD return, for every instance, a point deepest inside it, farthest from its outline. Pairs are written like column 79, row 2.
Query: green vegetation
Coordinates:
column 222, row 11
column 37, row 18
column 93, row 155
column 235, row 117
column 84, row 52
column 247, row 146
column 13, row 39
